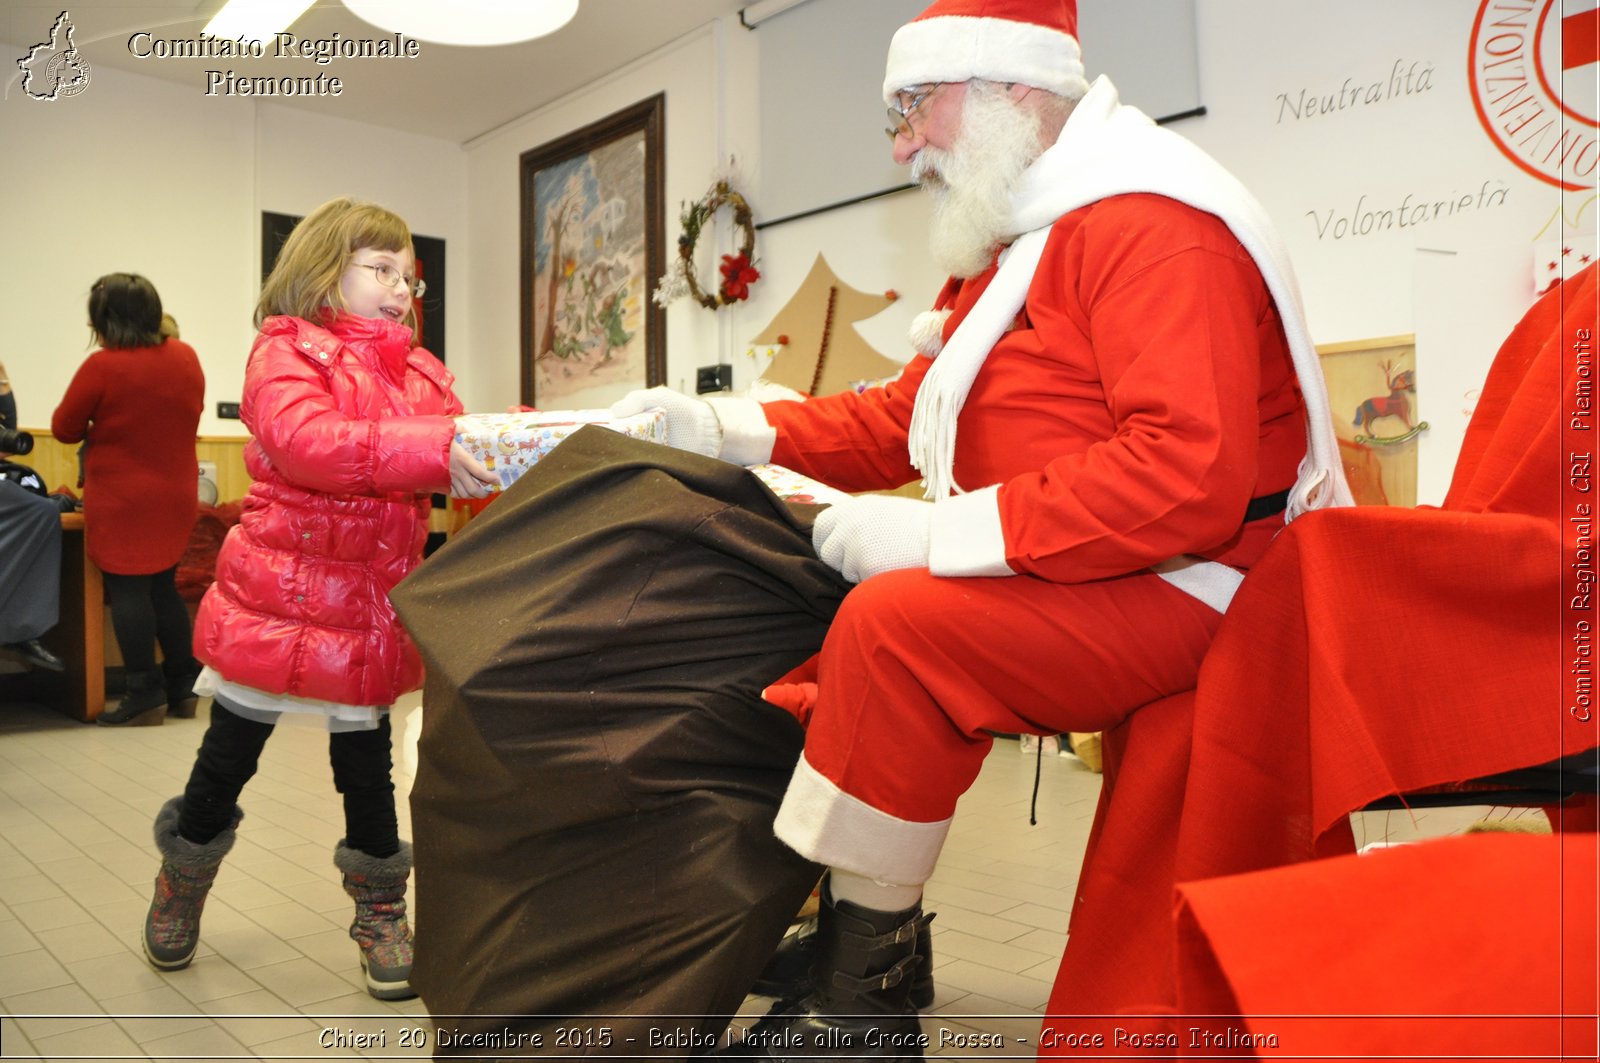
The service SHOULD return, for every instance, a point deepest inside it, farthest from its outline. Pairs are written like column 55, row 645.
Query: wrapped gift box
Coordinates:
column 794, row 487
column 509, row 444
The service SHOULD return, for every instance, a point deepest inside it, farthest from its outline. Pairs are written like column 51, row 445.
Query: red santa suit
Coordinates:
column 1123, row 417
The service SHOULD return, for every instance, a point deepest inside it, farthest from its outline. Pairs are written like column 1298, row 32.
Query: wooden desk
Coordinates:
column 79, row 638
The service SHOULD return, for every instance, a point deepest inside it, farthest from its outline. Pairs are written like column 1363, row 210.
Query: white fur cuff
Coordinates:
column 966, row 538
column 826, row 825
column 957, row 48
column 747, row 438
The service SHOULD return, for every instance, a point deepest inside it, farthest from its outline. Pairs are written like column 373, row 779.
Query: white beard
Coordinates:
column 973, row 181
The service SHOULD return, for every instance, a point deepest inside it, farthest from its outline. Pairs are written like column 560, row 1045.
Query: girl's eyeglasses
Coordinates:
column 388, row 276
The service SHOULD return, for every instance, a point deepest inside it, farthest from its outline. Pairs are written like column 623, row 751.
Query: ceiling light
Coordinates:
column 255, row 20
column 467, row 22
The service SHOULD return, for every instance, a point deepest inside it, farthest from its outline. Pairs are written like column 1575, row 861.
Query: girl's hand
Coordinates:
column 468, row 477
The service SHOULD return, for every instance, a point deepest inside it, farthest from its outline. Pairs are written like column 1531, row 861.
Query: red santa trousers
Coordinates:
column 917, row 671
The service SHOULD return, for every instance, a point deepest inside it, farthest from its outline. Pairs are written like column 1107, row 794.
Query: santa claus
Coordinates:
column 1114, row 406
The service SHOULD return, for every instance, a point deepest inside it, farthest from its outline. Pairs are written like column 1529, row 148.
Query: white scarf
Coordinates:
column 1109, row 149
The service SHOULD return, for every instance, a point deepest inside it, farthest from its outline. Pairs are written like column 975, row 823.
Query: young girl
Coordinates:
column 352, row 431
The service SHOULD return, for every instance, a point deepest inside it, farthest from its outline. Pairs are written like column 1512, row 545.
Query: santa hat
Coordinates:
column 1031, row 42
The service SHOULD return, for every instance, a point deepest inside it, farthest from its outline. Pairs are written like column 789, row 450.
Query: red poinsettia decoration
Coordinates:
column 737, row 276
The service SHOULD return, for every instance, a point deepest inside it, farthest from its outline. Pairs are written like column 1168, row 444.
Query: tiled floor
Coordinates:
column 277, row 977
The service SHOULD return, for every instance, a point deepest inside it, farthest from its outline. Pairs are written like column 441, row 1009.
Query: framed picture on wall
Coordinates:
column 592, row 246
column 275, row 229
column 1372, row 386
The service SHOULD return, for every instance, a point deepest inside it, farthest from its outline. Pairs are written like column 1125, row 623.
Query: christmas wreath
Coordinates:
column 738, row 270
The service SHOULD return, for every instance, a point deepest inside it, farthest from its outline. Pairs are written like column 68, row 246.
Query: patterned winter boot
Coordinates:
column 172, row 927
column 378, row 886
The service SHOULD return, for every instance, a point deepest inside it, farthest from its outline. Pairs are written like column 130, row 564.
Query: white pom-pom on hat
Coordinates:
column 927, row 332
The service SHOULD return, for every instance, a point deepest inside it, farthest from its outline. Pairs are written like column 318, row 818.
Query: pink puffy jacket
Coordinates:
column 352, row 429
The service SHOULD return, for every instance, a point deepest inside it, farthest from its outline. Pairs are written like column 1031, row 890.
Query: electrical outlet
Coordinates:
column 228, row 411
column 713, row 378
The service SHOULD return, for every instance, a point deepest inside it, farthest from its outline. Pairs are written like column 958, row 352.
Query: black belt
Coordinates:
column 1266, row 506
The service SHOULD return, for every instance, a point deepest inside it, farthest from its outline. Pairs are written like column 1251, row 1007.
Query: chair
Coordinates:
column 1541, row 786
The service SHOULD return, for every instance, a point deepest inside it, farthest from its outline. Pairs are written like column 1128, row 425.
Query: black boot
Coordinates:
column 144, row 704
column 859, row 1006
column 787, row 975
column 180, row 676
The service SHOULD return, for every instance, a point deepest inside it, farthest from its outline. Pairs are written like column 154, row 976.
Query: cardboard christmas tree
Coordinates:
column 819, row 353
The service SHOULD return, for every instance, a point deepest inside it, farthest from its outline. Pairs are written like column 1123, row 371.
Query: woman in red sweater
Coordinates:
column 137, row 402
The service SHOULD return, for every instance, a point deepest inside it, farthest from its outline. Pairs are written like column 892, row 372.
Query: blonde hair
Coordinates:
column 304, row 281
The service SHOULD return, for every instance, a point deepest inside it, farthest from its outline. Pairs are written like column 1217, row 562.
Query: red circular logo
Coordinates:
column 1533, row 68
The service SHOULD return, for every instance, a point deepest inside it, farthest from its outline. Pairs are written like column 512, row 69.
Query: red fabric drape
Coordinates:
column 1481, row 946
column 1371, row 651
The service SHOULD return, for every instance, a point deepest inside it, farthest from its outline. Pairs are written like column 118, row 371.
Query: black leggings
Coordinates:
column 146, row 610
column 228, row 756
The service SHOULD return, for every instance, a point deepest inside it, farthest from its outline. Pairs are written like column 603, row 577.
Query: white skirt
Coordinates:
column 264, row 707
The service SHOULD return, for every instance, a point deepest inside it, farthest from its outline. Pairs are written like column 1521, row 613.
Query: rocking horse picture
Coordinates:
column 1402, row 385
column 1377, row 430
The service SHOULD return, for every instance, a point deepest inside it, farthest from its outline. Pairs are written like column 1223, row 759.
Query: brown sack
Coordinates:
column 598, row 774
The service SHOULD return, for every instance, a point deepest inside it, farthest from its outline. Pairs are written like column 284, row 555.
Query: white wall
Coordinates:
column 1323, row 176
column 147, row 176
column 142, row 174
column 713, row 127
column 1315, row 172
column 1351, row 127
column 873, row 246
column 691, row 72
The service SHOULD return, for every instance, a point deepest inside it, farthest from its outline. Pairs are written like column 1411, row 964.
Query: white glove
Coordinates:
column 691, row 423
column 871, row 534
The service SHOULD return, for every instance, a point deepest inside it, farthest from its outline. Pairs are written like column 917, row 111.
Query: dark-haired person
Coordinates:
column 137, row 403
column 30, row 554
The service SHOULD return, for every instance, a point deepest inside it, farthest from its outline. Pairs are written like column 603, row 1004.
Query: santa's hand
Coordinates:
column 691, row 423
column 872, row 534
